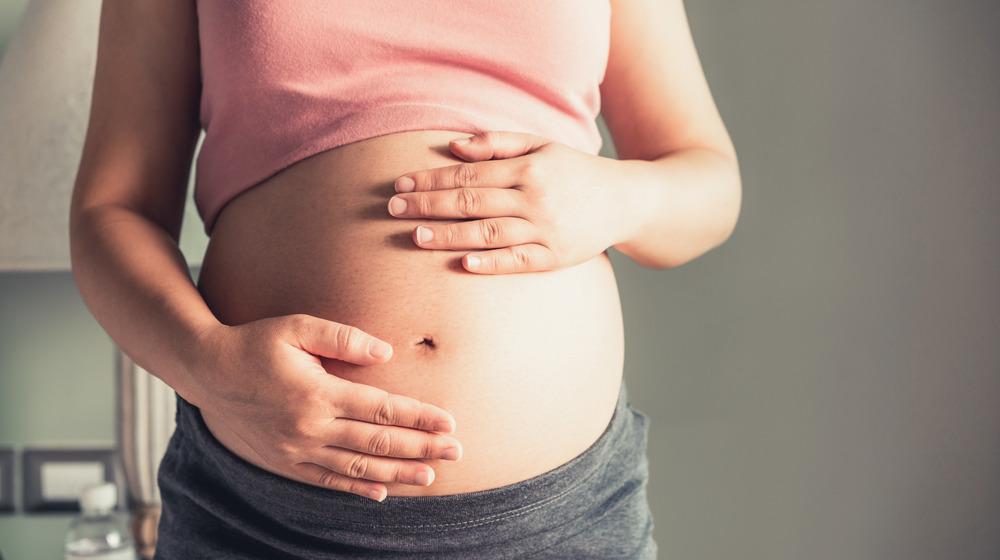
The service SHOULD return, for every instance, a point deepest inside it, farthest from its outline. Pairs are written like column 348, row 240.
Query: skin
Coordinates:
column 673, row 194
column 529, row 204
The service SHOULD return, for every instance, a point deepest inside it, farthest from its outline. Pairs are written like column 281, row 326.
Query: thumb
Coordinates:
column 495, row 145
column 340, row 342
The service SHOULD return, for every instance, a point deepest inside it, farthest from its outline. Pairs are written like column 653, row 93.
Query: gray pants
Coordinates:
column 215, row 505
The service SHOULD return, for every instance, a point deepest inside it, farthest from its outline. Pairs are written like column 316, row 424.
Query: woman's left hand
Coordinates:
column 527, row 204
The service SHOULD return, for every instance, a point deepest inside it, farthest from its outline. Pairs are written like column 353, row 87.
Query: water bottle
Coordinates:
column 99, row 533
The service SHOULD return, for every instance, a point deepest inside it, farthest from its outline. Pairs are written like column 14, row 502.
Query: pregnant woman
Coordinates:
column 406, row 338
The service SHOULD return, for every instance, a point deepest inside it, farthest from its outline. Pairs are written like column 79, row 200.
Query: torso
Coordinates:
column 529, row 364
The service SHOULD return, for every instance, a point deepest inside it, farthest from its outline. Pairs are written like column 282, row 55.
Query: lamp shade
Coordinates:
column 46, row 78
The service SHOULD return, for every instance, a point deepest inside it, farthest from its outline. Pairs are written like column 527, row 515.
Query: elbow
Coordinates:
column 730, row 209
column 673, row 254
column 697, row 231
column 722, row 221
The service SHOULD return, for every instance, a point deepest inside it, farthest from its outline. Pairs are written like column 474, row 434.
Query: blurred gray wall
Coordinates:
column 825, row 385
column 10, row 14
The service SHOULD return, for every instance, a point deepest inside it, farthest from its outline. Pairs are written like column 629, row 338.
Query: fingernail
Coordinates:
column 379, row 350
column 462, row 141
column 424, row 235
column 444, row 427
column 472, row 262
column 424, row 478
column 451, row 454
column 397, row 206
column 405, row 184
column 376, row 495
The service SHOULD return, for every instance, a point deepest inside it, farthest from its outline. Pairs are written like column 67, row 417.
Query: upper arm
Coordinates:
column 144, row 113
column 655, row 98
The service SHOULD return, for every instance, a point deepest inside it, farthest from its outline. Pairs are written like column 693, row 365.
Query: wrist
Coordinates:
column 637, row 198
column 202, row 349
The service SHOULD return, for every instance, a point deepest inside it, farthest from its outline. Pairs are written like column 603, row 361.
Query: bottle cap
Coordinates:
column 99, row 496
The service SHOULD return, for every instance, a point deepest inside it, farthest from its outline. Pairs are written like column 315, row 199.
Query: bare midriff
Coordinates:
column 528, row 364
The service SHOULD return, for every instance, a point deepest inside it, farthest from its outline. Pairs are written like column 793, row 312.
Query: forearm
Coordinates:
column 134, row 280
column 677, row 207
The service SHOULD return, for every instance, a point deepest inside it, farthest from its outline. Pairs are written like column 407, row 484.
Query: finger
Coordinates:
column 340, row 342
column 458, row 204
column 391, row 441
column 322, row 476
column 368, row 404
column 378, row 469
column 495, row 145
column 509, row 260
column 496, row 174
column 488, row 233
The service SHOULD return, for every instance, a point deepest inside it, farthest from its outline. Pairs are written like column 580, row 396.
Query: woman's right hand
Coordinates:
column 265, row 382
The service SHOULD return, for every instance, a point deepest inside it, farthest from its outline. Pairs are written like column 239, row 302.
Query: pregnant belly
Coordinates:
column 528, row 364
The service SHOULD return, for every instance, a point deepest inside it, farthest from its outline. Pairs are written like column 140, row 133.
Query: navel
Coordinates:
column 426, row 342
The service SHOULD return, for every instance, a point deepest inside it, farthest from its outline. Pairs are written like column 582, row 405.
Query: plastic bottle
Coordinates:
column 99, row 533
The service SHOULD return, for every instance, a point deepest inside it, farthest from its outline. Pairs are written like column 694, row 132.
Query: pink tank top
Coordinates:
column 286, row 79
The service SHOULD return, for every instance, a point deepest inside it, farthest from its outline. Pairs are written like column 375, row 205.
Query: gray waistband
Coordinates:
column 520, row 518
